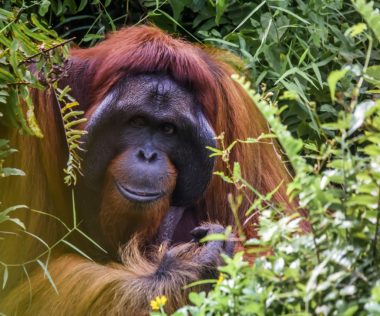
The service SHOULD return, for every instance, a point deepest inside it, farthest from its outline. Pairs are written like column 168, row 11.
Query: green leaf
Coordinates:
column 5, row 276
column 356, row 29
column 364, row 200
column 40, row 25
column 350, row 311
column 200, row 282
column 18, row 222
column 7, row 14
column 237, row 171
column 30, row 115
column 177, row 7
column 71, row 4
column 370, row 15
column 90, row 240
column 6, row 76
column 47, row 274
column 333, row 79
column 82, row 5
column 43, row 7
column 6, row 172
column 91, row 37
column 76, row 249
column 359, row 115
column 220, row 8
column 248, row 16
column 213, row 237
column 223, row 176
column 12, row 208
column 291, row 13
column 372, row 150
column 372, row 75
column 197, row 298
column 317, row 73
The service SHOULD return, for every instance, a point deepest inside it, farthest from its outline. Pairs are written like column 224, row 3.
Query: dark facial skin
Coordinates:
column 157, row 122
column 152, row 130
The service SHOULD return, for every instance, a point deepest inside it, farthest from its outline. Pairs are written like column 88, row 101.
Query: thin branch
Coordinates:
column 375, row 238
column 44, row 51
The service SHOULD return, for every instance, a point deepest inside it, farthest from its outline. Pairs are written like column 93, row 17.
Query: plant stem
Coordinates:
column 375, row 238
column 44, row 51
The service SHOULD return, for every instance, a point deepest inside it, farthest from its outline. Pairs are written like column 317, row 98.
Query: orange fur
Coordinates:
column 125, row 288
column 121, row 218
column 89, row 288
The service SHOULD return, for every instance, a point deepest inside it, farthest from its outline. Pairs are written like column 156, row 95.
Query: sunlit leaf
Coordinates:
column 333, row 79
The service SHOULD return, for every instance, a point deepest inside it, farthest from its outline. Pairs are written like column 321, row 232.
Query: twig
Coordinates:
column 47, row 50
column 356, row 90
column 19, row 83
column 374, row 244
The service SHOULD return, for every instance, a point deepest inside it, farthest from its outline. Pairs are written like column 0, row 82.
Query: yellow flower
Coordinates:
column 163, row 300
column 154, row 305
column 220, row 280
column 158, row 302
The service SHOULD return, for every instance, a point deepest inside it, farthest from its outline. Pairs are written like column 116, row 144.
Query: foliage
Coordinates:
column 24, row 40
column 287, row 45
column 28, row 47
column 335, row 269
column 71, row 119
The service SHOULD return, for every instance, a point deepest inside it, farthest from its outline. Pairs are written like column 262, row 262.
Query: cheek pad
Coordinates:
column 194, row 164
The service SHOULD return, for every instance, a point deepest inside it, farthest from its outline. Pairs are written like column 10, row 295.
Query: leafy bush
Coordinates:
column 26, row 40
column 23, row 39
column 335, row 269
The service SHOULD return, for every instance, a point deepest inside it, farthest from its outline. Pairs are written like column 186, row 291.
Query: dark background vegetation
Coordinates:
column 286, row 45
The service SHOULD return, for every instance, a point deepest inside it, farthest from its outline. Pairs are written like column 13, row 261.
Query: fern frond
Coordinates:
column 71, row 119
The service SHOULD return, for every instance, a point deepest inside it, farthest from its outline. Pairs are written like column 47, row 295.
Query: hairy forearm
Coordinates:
column 125, row 288
column 88, row 288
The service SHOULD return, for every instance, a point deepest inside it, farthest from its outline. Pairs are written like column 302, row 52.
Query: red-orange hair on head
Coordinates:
column 207, row 73
column 88, row 287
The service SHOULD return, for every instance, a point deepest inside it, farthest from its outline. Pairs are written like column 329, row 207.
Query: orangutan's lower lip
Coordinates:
column 137, row 195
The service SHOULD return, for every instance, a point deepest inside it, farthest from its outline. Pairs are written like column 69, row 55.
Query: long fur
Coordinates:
column 121, row 218
column 86, row 287
column 89, row 288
